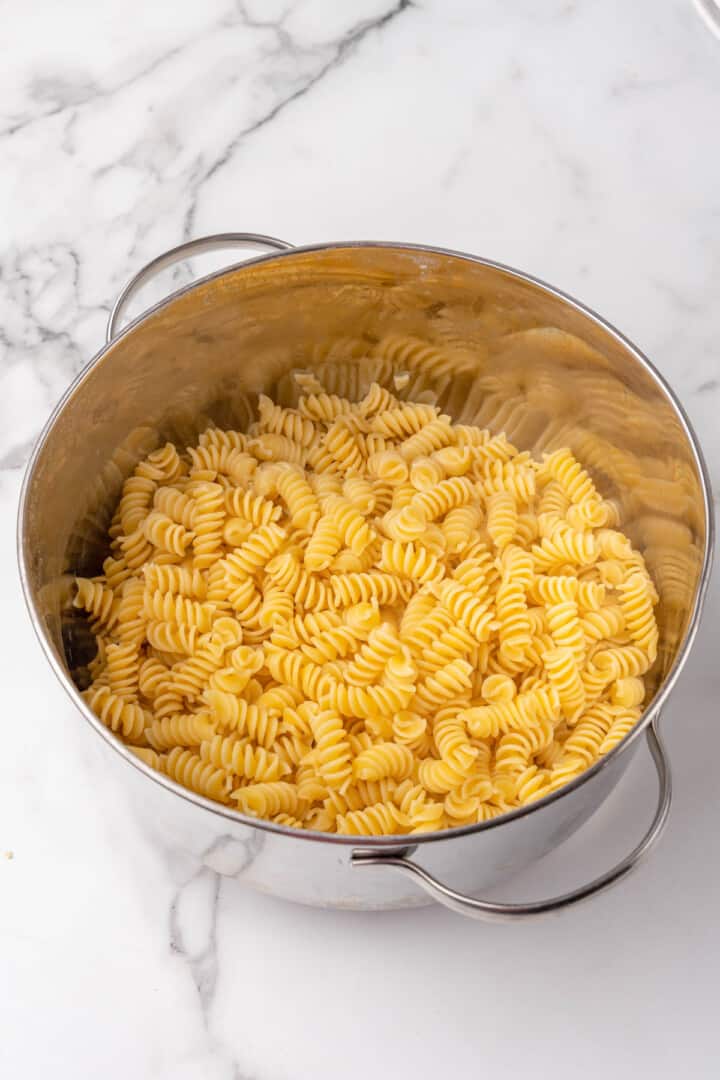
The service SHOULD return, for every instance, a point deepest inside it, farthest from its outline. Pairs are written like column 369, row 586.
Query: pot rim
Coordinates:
column 402, row 840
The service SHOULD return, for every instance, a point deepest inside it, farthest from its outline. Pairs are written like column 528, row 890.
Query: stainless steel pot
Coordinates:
column 534, row 362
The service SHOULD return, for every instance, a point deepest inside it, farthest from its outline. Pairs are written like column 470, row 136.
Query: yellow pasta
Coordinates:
column 267, row 799
column 361, row 617
column 98, row 600
column 501, row 517
column 123, row 669
column 180, row 729
column 119, row 715
column 241, row 758
column 383, row 759
column 382, row 818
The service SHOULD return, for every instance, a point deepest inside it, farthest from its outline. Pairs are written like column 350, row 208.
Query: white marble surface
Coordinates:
column 577, row 140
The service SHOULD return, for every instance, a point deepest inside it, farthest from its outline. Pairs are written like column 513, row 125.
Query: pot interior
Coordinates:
column 507, row 354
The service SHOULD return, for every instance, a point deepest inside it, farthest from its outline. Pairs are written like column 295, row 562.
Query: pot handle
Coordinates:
column 492, row 911
column 177, row 254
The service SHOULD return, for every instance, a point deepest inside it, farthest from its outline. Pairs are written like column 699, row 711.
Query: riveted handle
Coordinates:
column 492, row 911
column 200, row 246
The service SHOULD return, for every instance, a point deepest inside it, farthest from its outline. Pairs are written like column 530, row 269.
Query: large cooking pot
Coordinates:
column 534, row 363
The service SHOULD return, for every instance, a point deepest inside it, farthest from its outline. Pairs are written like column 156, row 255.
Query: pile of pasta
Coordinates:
column 363, row 618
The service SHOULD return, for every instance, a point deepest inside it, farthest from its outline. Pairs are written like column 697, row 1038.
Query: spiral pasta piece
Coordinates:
column 447, row 495
column 333, row 754
column 515, row 749
column 123, row 669
column 587, row 735
column 515, row 477
column 433, row 436
column 501, row 517
column 410, row 560
column 136, row 500
column 307, row 591
column 97, row 600
column 213, row 436
column 162, row 465
column 637, row 606
column 452, row 643
column 622, row 663
column 178, row 609
column 176, row 505
column 622, row 724
column 451, row 682
column 514, row 631
column 287, row 422
column 341, row 450
column 215, row 461
column 119, row 715
column 382, row 819
column 136, row 548
column 605, row 623
column 563, row 547
column 152, row 674
column 172, row 637
column 180, row 729
column 208, row 521
column 460, row 526
column 470, row 612
column 369, row 702
column 519, row 712
column 563, row 622
column 439, row 776
column 403, row 420
column 497, row 689
column 255, row 509
column 241, row 758
column 338, row 640
column 179, row 580
column 570, row 475
column 201, row 777
column 381, row 760
column 463, row 802
column 627, row 692
column 477, row 573
column 130, row 622
column 267, row 799
column 149, row 757
column 234, row 715
column 190, row 676
column 553, row 590
column 350, row 524
column 563, row 674
column 375, row 585
column 327, row 407
column 409, row 728
column 297, row 671
column 323, row 545
column 255, row 553
column 274, row 447
column 532, row 784
column 302, row 504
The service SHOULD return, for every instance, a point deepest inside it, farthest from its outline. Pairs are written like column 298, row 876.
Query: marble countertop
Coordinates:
column 573, row 139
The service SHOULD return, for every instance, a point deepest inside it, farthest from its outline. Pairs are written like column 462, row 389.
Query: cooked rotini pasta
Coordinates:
column 360, row 617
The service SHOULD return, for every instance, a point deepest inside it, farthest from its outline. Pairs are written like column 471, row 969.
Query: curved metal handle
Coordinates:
column 177, row 254
column 491, row 911
column 709, row 12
